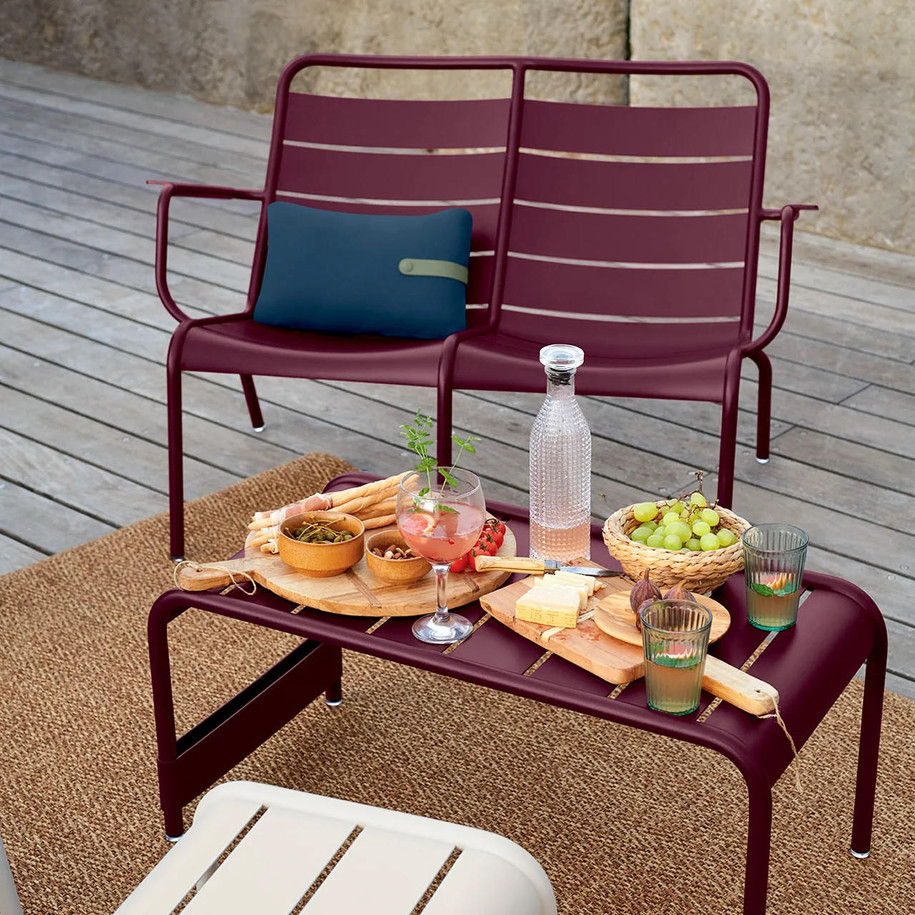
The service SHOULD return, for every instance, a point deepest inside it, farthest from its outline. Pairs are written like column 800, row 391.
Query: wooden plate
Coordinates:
column 356, row 592
column 614, row 616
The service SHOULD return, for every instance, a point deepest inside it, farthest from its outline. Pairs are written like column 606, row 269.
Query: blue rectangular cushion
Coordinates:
column 400, row 276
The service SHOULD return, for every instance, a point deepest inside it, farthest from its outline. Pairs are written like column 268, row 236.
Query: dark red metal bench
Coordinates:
column 632, row 232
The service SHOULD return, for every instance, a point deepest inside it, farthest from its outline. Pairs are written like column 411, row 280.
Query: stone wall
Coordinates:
column 841, row 72
column 841, row 75
column 231, row 51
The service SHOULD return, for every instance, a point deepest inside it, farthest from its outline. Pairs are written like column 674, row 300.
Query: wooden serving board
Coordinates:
column 586, row 646
column 609, row 646
column 355, row 592
column 734, row 686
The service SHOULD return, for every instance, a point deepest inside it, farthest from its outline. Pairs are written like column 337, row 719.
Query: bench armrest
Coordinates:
column 787, row 216
column 169, row 189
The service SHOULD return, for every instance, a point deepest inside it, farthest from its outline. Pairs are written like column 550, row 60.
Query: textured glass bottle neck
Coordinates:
column 560, row 384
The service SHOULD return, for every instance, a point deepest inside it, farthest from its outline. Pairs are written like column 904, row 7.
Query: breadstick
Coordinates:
column 380, row 521
column 359, row 492
column 263, row 536
column 379, row 508
column 369, row 492
column 361, row 504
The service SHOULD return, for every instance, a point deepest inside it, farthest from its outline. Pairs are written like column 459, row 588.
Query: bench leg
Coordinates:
column 759, row 837
column 175, row 463
column 727, row 450
column 764, row 408
column 254, row 405
column 443, row 425
column 868, row 750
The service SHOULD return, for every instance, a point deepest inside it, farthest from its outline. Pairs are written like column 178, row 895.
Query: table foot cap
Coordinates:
column 860, row 854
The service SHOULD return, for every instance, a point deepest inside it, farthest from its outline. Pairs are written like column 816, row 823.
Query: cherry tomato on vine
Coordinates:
column 487, row 544
column 496, row 530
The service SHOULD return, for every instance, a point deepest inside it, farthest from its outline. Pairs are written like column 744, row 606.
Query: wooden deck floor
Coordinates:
column 82, row 381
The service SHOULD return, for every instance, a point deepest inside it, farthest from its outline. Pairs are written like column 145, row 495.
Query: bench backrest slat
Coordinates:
column 658, row 185
column 632, row 131
column 396, row 123
column 677, row 292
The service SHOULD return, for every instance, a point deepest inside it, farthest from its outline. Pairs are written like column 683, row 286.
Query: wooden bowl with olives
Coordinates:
column 321, row 544
column 390, row 559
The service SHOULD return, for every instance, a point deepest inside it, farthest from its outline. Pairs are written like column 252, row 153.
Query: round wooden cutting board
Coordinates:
column 614, row 616
column 355, row 592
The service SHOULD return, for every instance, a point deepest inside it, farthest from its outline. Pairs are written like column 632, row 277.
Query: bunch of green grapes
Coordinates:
column 690, row 525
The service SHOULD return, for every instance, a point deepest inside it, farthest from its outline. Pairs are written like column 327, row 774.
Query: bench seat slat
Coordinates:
column 199, row 849
column 484, row 884
column 273, row 866
column 382, row 872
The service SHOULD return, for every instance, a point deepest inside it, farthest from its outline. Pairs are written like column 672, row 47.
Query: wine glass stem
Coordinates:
column 441, row 591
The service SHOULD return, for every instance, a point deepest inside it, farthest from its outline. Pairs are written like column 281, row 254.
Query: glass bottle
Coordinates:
column 560, row 463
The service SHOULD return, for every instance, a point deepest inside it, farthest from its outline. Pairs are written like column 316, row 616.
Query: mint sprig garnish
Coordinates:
column 767, row 591
column 418, row 434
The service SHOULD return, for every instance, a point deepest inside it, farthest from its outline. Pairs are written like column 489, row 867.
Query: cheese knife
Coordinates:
column 537, row 566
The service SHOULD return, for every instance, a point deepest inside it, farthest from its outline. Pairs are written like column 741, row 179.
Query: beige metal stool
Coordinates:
column 345, row 857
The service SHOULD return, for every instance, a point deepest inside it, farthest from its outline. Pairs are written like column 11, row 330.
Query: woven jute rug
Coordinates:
column 623, row 822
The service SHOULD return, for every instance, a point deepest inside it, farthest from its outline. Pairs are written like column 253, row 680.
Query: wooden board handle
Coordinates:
column 202, row 578
column 510, row 564
column 738, row 688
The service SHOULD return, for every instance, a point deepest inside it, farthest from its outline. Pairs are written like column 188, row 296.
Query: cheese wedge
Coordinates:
column 579, row 587
column 550, row 605
column 588, row 580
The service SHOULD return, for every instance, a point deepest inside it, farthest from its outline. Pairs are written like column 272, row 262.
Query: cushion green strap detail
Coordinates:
column 418, row 266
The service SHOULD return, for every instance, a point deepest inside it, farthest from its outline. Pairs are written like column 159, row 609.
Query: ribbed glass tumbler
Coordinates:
column 773, row 559
column 675, row 641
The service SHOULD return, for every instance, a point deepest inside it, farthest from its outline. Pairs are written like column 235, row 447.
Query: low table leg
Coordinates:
column 188, row 765
column 333, row 695
column 759, row 837
column 868, row 751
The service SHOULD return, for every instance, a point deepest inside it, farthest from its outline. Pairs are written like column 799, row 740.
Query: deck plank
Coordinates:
column 16, row 555
column 102, row 493
column 37, row 521
column 84, row 337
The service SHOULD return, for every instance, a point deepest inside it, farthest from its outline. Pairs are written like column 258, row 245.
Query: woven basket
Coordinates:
column 701, row 572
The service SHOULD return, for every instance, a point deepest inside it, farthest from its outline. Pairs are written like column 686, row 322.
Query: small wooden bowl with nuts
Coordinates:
column 390, row 559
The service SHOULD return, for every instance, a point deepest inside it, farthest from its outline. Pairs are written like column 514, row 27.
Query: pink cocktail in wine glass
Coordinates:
column 441, row 519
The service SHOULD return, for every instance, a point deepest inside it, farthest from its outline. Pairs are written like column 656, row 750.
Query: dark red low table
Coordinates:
column 839, row 629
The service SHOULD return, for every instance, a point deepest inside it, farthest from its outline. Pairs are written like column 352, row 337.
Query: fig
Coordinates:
column 643, row 591
column 678, row 592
